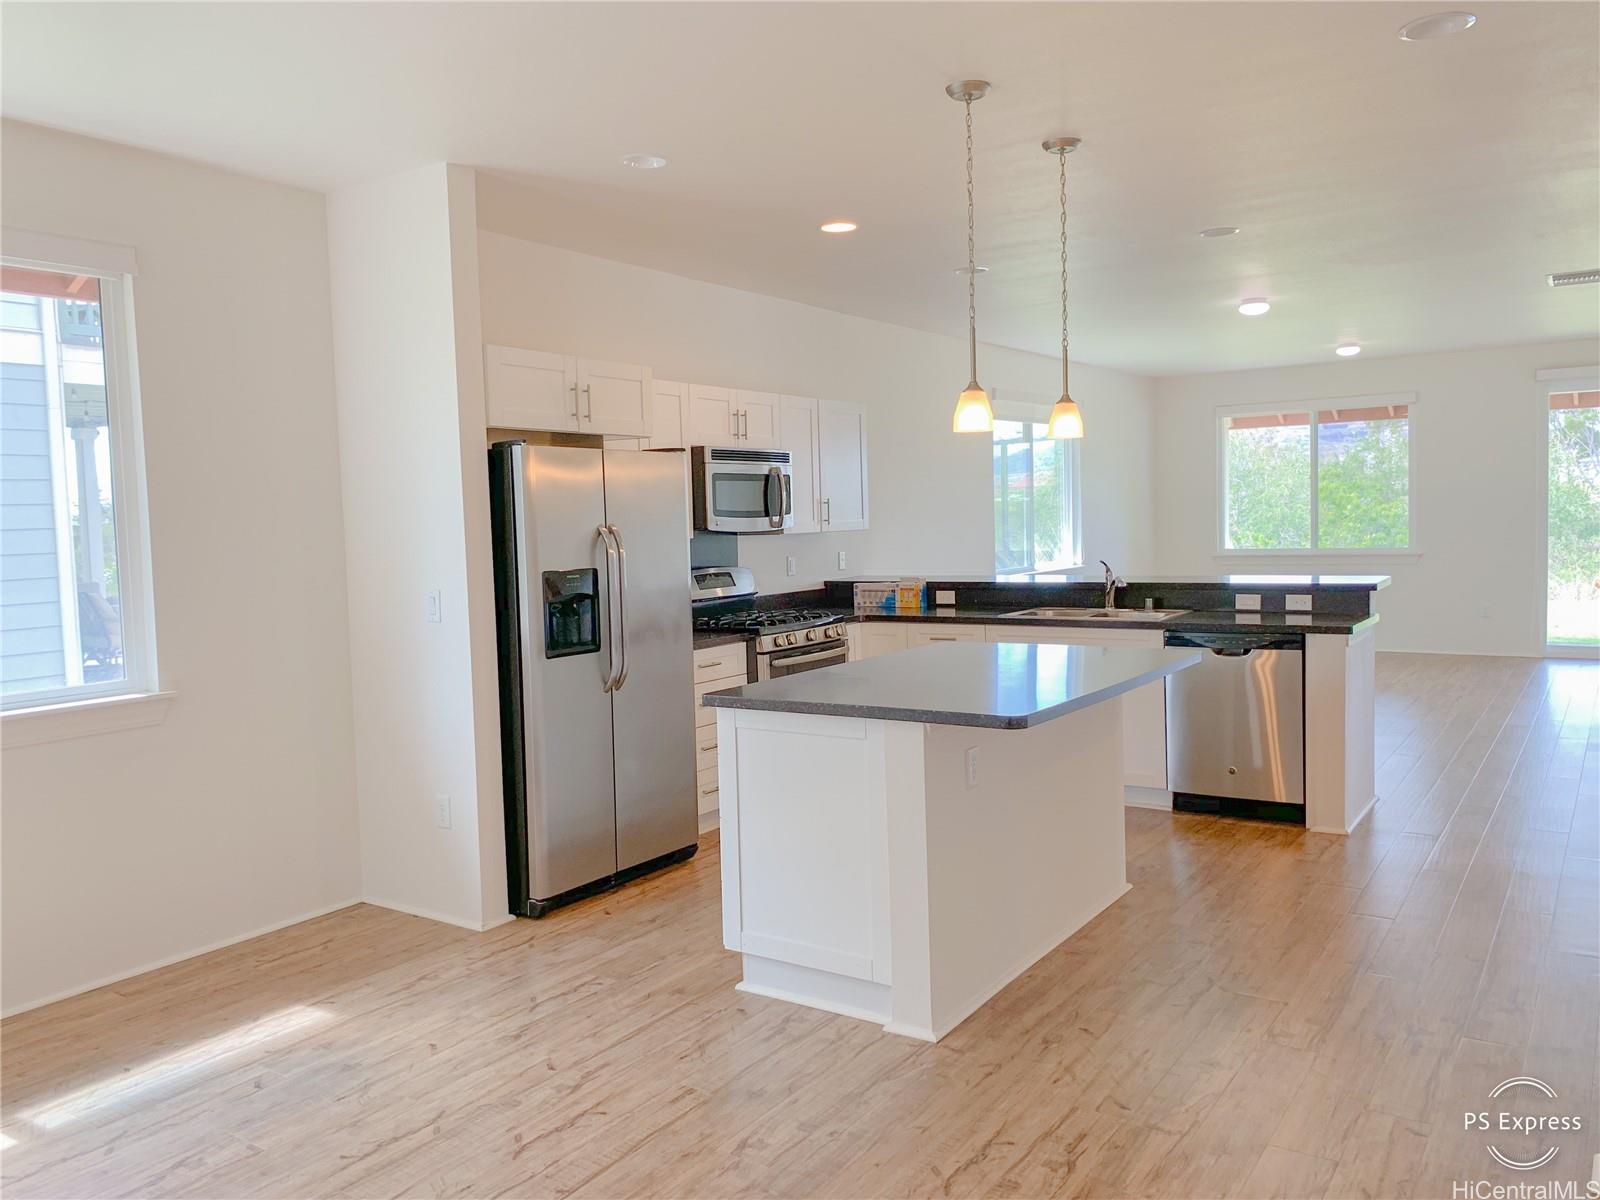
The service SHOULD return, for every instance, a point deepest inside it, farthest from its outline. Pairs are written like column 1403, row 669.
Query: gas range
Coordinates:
column 777, row 629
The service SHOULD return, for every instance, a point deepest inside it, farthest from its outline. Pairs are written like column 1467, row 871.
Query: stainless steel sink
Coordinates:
column 1096, row 614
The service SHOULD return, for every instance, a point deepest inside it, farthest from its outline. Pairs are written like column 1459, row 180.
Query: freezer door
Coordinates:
column 564, row 659
column 653, row 705
column 1235, row 726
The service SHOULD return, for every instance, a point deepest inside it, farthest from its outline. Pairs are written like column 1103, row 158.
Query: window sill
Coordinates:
column 1375, row 555
column 83, row 718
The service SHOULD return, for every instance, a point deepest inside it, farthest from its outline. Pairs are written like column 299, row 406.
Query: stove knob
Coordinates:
column 786, row 639
column 836, row 631
column 811, row 635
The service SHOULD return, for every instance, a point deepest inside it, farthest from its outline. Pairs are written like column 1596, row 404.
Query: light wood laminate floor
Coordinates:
column 1267, row 1013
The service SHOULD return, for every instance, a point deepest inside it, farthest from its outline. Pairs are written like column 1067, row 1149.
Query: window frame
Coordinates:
column 1548, row 382
column 1031, row 410
column 114, row 266
column 1385, row 399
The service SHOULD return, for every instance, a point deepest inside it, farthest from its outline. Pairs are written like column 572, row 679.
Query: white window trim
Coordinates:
column 114, row 266
column 1407, row 553
column 1035, row 410
column 1549, row 381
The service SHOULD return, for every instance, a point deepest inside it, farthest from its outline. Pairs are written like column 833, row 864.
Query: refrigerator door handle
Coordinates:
column 613, row 609
column 622, row 603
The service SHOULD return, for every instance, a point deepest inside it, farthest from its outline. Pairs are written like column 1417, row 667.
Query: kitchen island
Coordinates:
column 903, row 836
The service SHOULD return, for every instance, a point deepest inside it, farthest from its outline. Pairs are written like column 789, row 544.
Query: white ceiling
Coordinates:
column 1411, row 196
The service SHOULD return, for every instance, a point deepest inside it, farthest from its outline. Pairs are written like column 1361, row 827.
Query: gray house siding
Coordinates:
column 31, row 647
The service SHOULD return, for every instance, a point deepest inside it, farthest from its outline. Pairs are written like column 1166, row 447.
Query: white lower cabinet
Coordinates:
column 715, row 668
column 873, row 638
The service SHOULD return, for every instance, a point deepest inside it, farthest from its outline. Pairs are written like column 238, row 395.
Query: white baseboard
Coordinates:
column 710, row 820
column 412, row 910
column 181, row 956
column 1147, row 797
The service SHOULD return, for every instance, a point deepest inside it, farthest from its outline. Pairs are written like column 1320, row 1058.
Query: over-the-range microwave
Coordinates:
column 737, row 490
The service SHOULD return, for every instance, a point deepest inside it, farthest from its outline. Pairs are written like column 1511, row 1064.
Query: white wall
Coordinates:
column 410, row 412
column 1478, row 445
column 126, row 849
column 931, row 499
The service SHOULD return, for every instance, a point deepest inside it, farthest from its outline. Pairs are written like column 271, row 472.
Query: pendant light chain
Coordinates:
column 972, row 256
column 1064, row 388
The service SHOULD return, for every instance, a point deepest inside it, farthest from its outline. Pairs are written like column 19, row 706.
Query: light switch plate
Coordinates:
column 841, row 560
column 433, row 607
column 972, row 767
column 789, row 565
column 1246, row 600
column 944, row 596
column 441, row 811
column 1297, row 603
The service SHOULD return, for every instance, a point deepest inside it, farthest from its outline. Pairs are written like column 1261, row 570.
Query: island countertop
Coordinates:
column 991, row 685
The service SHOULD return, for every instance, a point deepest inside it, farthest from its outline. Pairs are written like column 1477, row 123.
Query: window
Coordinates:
column 1572, row 605
column 73, row 604
column 1035, row 499
column 1332, row 477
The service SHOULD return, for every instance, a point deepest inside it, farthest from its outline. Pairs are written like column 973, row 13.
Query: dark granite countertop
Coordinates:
column 991, row 686
column 1223, row 621
column 996, row 687
column 705, row 641
column 1287, row 582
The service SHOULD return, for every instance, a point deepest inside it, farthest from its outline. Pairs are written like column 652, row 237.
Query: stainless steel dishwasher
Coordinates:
column 1236, row 726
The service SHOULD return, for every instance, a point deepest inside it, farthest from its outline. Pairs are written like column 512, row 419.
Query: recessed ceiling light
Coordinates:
column 1220, row 231
column 1436, row 25
column 1571, row 278
column 1254, row 307
column 644, row 162
column 1347, row 349
column 839, row 227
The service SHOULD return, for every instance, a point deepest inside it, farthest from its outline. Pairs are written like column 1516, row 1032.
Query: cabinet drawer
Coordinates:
column 721, row 662
column 705, row 756
column 923, row 635
column 706, row 790
column 708, row 716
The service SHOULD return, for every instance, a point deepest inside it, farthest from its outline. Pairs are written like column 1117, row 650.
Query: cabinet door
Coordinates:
column 616, row 398
column 881, row 637
column 758, row 419
column 842, row 462
column 797, row 428
column 711, row 420
column 670, row 418
column 530, row 389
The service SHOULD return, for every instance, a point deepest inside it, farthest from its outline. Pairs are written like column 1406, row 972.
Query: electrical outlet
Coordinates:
column 441, row 811
column 433, row 607
column 944, row 596
column 789, row 565
column 972, row 767
column 1297, row 603
column 841, row 560
column 1245, row 600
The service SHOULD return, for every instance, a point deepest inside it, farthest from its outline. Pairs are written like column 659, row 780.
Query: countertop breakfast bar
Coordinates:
column 903, row 836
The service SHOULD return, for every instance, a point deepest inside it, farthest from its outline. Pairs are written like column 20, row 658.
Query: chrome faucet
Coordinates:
column 1113, row 582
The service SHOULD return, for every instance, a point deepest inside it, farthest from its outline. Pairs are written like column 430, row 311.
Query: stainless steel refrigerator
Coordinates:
column 596, row 666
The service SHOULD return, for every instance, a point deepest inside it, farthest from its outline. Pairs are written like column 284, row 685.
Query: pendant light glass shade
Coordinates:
column 1065, row 420
column 973, row 412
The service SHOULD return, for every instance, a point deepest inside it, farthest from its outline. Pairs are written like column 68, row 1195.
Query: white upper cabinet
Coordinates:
column 616, row 398
column 533, row 389
column 669, row 422
column 797, row 433
column 712, row 416
column 530, row 389
column 842, row 462
column 757, row 417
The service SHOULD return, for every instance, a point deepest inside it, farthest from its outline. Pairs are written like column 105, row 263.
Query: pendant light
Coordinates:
column 1065, row 419
column 973, row 412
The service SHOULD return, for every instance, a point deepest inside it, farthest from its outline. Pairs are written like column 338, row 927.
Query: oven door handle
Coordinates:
column 833, row 651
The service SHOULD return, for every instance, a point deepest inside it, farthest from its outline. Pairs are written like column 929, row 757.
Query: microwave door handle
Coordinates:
column 622, row 605
column 788, row 495
column 773, row 499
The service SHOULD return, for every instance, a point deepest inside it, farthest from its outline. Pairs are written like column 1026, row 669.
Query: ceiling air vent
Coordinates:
column 1569, row 278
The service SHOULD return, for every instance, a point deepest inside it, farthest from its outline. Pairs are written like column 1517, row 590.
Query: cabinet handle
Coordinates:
column 574, row 387
column 708, row 746
column 827, row 511
column 588, row 404
column 714, row 663
column 708, row 791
